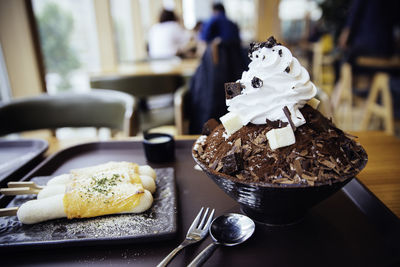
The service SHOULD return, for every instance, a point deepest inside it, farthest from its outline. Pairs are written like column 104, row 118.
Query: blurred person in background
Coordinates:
column 223, row 61
column 167, row 38
column 195, row 47
column 369, row 29
column 219, row 26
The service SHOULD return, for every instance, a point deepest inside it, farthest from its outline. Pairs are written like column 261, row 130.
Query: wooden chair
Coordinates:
column 181, row 100
column 380, row 87
column 142, row 87
column 342, row 99
column 100, row 108
column 322, row 64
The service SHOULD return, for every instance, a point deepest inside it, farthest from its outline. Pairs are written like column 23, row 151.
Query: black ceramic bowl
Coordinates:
column 273, row 204
column 159, row 147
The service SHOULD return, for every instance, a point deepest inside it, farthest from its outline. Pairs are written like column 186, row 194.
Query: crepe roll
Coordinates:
column 147, row 170
column 35, row 211
column 148, row 183
column 60, row 179
column 54, row 207
column 106, row 167
column 55, row 188
column 51, row 190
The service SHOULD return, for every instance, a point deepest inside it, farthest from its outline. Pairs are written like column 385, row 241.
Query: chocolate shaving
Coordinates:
column 240, row 176
column 280, row 52
column 283, row 181
column 303, row 153
column 209, row 126
column 256, row 82
column 287, row 69
column 213, row 165
column 257, row 150
column 219, row 167
column 246, row 150
column 328, row 163
column 200, row 149
column 297, row 166
column 276, row 124
column 260, row 139
column 232, row 90
column 238, row 143
column 288, row 116
column 253, row 174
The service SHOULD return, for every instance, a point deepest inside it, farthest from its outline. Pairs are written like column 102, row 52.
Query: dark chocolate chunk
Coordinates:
column 287, row 69
column 271, row 42
column 287, row 114
column 232, row 90
column 280, row 52
column 209, row 126
column 232, row 163
column 256, row 82
column 306, row 164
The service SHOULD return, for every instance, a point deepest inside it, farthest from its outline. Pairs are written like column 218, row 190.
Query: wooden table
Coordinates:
column 335, row 225
column 184, row 67
column 381, row 175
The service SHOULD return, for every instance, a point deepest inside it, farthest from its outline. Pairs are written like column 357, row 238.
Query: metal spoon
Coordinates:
column 227, row 230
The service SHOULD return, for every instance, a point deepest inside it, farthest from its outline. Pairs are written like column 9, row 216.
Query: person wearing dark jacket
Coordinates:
column 369, row 29
column 220, row 26
column 223, row 61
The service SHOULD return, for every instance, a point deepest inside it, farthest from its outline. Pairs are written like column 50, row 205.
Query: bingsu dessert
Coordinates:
column 273, row 133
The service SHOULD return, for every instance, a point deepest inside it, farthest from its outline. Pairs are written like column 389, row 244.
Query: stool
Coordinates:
column 380, row 86
column 342, row 99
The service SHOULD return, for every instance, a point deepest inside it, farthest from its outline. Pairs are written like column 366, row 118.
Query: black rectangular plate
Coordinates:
column 158, row 222
column 15, row 154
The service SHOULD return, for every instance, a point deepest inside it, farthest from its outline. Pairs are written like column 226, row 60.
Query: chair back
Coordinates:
column 100, row 108
column 144, row 87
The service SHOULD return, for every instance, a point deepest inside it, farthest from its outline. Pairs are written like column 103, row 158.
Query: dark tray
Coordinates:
column 17, row 155
column 351, row 228
column 157, row 223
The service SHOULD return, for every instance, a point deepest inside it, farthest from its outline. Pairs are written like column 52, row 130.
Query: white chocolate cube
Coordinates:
column 232, row 122
column 281, row 137
column 313, row 102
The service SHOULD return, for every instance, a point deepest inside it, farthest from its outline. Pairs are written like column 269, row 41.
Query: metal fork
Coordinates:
column 196, row 233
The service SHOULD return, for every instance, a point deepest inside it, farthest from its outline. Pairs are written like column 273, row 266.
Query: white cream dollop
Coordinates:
column 280, row 87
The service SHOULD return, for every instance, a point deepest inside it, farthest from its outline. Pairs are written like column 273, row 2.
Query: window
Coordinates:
column 294, row 15
column 5, row 91
column 123, row 29
column 242, row 12
column 68, row 39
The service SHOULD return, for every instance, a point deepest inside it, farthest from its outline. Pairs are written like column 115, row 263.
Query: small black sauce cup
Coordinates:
column 159, row 147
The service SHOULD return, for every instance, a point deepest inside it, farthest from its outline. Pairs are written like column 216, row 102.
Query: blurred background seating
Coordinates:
column 154, row 92
column 99, row 108
column 343, row 44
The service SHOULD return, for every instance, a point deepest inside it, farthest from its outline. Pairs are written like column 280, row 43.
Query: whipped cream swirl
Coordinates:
column 275, row 79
